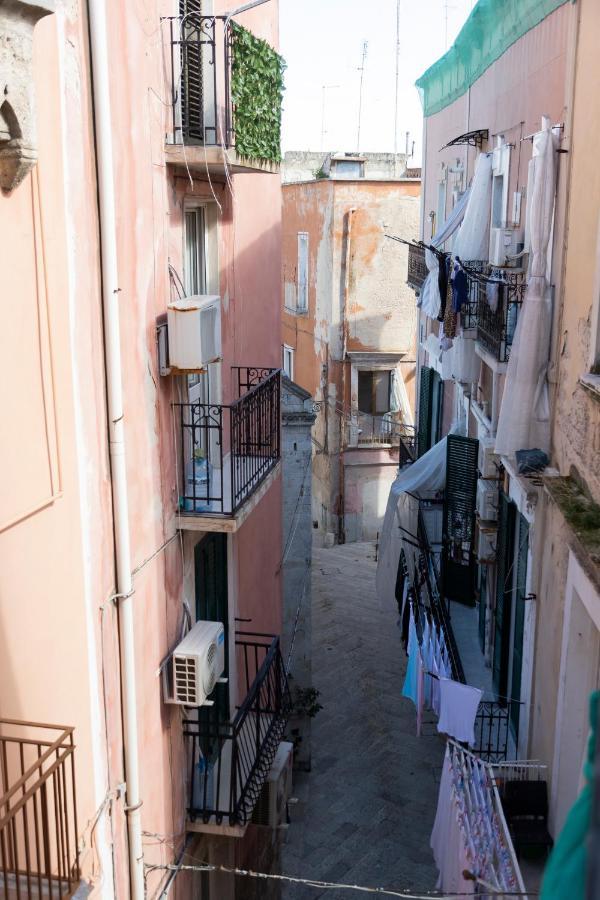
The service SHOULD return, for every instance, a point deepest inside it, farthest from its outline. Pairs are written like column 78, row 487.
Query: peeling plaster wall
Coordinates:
column 576, row 434
column 381, row 314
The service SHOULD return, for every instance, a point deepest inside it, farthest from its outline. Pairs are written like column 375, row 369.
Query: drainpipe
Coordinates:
column 346, row 294
column 114, row 389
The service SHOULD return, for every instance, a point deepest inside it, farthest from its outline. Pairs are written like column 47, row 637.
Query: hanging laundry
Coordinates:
column 411, row 678
column 460, row 287
column 458, row 708
column 443, row 276
column 447, row 839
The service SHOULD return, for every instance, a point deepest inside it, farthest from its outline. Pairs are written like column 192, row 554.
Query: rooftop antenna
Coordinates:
column 324, row 87
column 397, row 76
column 361, row 69
column 447, row 7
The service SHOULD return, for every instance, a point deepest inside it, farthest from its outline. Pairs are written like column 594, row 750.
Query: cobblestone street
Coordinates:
column 365, row 812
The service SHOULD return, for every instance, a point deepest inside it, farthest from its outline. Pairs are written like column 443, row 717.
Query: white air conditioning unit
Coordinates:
column 504, row 243
column 197, row 663
column 487, row 500
column 194, row 332
column 271, row 806
column 487, row 461
column 486, row 544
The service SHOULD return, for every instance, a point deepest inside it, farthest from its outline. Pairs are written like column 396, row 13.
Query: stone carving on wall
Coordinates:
column 18, row 142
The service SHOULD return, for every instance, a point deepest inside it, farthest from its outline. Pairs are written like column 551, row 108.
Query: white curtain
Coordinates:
column 472, row 241
column 425, row 476
column 524, row 421
column 399, row 401
column 430, row 292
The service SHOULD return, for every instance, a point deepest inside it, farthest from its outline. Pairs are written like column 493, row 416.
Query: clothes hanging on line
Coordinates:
column 460, row 287
column 458, row 708
column 410, row 686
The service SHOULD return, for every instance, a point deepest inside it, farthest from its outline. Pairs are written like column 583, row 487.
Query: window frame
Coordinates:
column 303, row 247
column 206, row 215
column 285, row 348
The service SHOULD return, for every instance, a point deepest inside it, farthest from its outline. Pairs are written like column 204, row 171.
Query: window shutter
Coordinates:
column 458, row 534
column 192, row 94
column 424, row 424
column 502, row 612
column 302, row 303
column 520, row 593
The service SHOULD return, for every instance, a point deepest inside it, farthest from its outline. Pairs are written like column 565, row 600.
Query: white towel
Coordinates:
column 458, row 708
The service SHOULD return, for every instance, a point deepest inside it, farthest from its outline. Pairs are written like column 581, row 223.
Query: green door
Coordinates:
column 482, row 606
column 210, row 564
column 520, row 593
column 431, row 396
column 504, row 575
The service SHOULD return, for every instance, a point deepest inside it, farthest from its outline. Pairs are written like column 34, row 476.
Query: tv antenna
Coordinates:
column 361, row 69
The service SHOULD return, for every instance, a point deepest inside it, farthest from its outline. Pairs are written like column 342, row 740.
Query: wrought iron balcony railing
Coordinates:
column 201, row 80
column 38, row 816
column 493, row 734
column 497, row 314
column 363, row 429
column 229, row 761
column 417, row 267
column 225, row 452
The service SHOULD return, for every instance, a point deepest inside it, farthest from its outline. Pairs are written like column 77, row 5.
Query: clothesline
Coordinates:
column 483, row 700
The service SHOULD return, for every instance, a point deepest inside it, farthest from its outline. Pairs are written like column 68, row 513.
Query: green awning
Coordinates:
column 488, row 32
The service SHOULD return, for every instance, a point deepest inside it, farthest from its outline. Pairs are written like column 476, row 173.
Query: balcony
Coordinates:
column 202, row 138
column 496, row 324
column 38, row 818
column 227, row 453
column 495, row 740
column 417, row 267
column 229, row 761
column 366, row 430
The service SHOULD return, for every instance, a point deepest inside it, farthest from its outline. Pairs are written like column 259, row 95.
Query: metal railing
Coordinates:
column 494, row 737
column 38, row 815
column 225, row 452
column 417, row 267
column 229, row 761
column 200, row 72
column 387, row 430
column 497, row 315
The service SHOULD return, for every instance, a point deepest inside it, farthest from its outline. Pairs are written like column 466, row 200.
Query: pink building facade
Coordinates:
column 176, row 212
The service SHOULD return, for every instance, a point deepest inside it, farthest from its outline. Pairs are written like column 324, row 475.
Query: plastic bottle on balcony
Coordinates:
column 196, row 492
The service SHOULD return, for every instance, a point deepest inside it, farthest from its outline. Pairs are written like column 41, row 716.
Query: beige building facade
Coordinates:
column 348, row 337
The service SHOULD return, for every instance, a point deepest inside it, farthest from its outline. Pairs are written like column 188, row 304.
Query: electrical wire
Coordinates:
column 407, row 893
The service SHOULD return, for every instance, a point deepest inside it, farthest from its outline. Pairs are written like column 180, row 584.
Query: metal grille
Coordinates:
column 38, row 811
column 496, row 326
column 185, row 679
column 229, row 761
column 227, row 451
column 201, row 78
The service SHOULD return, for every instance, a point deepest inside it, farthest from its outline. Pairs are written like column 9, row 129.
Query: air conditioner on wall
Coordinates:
column 486, row 544
column 487, row 499
column 196, row 664
column 271, row 806
column 194, row 332
column 487, row 461
column 504, row 244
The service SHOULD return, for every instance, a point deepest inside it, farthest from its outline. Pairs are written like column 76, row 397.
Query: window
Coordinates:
column 302, row 298
column 348, row 168
column 200, row 254
column 288, row 361
column 374, row 391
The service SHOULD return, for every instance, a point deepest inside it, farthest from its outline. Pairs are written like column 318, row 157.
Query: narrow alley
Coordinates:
column 365, row 812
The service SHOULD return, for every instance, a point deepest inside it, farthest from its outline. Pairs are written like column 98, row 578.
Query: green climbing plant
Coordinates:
column 256, row 94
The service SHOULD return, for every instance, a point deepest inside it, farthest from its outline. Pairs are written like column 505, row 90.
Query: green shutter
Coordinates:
column 424, row 423
column 458, row 559
column 502, row 612
column 517, row 666
column 193, row 41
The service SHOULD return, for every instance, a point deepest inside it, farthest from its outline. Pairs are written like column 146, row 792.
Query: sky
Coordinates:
column 322, row 43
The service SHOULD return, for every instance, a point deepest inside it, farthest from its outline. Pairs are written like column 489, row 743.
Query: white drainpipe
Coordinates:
column 114, row 387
